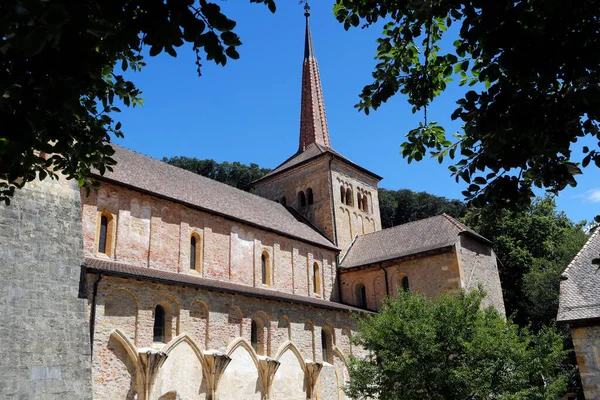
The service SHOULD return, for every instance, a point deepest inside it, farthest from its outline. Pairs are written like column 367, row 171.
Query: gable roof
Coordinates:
column 158, row 178
column 312, row 151
column 580, row 286
column 407, row 239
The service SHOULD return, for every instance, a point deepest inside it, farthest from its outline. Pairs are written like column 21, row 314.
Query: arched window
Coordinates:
column 359, row 203
column 365, row 204
column 265, row 263
column 326, row 340
column 316, row 279
column 301, row 199
column 195, row 253
column 159, row 324
column 361, row 296
column 343, row 194
column 283, row 201
column 254, row 335
column 404, row 284
column 309, row 196
column 349, row 199
column 105, row 234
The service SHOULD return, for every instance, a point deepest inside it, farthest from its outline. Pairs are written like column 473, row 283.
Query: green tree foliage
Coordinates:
column 534, row 72
column 233, row 174
column 534, row 246
column 60, row 77
column 402, row 206
column 449, row 348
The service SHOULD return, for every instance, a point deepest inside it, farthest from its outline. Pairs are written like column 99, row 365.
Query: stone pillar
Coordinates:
column 215, row 364
column 312, row 370
column 150, row 361
column 267, row 369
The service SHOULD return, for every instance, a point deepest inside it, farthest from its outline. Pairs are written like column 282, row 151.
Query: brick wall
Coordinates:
column 44, row 337
column 214, row 321
column 156, row 233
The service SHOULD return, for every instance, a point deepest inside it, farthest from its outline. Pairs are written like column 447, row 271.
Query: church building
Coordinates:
column 165, row 284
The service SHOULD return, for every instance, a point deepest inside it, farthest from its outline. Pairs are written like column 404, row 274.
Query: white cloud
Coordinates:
column 592, row 195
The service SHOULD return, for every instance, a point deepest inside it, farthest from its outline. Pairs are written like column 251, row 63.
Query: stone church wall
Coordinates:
column 202, row 320
column 479, row 266
column 44, row 337
column 586, row 342
column 350, row 220
column 313, row 175
column 430, row 276
column 154, row 232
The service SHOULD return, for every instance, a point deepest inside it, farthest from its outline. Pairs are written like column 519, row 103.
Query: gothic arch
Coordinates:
column 291, row 347
column 202, row 310
column 132, row 352
column 242, row 342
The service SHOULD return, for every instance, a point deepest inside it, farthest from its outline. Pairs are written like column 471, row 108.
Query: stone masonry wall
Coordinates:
column 350, row 220
column 586, row 341
column 156, row 233
column 314, row 175
column 478, row 265
column 430, row 276
column 213, row 321
column 44, row 337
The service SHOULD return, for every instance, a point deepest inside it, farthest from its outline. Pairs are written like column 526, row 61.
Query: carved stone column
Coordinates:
column 312, row 369
column 268, row 367
column 216, row 362
column 150, row 360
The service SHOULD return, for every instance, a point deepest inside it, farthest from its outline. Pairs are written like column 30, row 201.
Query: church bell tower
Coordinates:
column 337, row 196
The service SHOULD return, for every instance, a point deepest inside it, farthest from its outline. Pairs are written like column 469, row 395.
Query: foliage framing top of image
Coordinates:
column 59, row 75
column 534, row 69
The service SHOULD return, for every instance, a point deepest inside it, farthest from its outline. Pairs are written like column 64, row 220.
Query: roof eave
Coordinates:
column 420, row 254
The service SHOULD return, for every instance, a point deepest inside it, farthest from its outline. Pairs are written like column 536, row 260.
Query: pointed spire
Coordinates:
column 313, row 121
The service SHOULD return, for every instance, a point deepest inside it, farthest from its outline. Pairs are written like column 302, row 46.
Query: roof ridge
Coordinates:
column 578, row 255
column 456, row 223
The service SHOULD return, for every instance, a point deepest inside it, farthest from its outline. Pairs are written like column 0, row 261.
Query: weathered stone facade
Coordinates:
column 44, row 336
column 586, row 342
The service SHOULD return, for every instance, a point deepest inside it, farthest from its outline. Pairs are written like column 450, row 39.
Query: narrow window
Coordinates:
column 316, row 279
column 266, row 271
column 283, row 201
column 103, row 234
column 309, row 196
column 359, row 201
column 254, row 335
column 365, row 204
column 263, row 263
column 159, row 324
column 301, row 199
column 326, row 345
column 343, row 194
column 349, row 197
column 405, row 285
column 193, row 253
column 361, row 296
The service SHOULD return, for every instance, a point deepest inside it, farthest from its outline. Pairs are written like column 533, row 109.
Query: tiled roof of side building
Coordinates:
column 119, row 269
column 580, row 285
column 405, row 240
column 155, row 177
column 314, row 150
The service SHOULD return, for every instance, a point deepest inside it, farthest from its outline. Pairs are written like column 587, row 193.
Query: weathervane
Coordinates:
column 306, row 7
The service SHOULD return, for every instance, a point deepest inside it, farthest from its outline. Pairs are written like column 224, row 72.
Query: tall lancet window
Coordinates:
column 159, row 324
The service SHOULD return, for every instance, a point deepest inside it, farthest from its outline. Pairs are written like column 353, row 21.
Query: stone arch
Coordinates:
column 241, row 379
column 183, row 371
column 345, row 340
column 379, row 291
column 118, row 339
column 310, row 326
column 263, row 323
column 288, row 382
column 266, row 268
column 360, row 299
column 171, row 307
column 349, row 197
column 195, row 253
column 327, row 342
column 106, row 232
column 234, row 319
column 200, row 322
column 342, row 194
column 121, row 311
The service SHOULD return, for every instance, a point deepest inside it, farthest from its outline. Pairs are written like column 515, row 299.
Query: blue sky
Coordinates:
column 249, row 110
